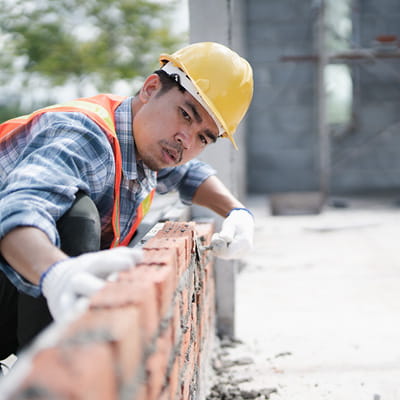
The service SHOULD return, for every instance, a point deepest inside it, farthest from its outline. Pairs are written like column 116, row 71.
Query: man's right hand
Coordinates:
column 70, row 279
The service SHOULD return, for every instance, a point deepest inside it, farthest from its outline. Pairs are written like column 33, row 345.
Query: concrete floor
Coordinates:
column 318, row 304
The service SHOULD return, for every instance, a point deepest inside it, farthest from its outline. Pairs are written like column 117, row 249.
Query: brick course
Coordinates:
column 146, row 336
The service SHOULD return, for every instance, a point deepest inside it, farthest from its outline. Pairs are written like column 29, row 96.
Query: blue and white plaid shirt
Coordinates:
column 59, row 153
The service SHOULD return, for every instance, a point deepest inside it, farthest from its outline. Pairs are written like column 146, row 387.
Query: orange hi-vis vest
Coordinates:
column 100, row 109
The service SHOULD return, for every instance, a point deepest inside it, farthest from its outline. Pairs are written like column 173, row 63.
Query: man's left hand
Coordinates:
column 235, row 240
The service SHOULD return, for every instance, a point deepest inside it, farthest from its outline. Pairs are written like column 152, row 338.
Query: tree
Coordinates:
column 91, row 42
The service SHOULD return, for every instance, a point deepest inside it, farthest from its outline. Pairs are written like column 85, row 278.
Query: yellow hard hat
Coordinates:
column 218, row 77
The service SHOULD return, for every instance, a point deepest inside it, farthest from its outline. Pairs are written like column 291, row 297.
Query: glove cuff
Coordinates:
column 237, row 209
column 46, row 273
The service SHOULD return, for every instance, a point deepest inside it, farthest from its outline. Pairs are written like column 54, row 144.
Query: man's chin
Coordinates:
column 154, row 165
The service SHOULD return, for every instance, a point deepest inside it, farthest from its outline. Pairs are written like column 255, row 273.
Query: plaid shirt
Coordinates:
column 60, row 153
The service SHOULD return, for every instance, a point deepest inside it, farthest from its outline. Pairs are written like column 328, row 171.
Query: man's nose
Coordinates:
column 185, row 138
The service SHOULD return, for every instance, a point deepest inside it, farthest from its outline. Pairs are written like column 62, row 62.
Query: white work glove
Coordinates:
column 67, row 281
column 235, row 239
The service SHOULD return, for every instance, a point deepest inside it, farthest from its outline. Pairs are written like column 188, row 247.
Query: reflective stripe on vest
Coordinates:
column 100, row 109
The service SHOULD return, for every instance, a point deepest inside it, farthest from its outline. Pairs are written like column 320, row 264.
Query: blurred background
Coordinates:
column 317, row 305
column 325, row 114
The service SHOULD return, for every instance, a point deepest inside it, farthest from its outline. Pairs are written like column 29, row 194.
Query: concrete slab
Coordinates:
column 318, row 304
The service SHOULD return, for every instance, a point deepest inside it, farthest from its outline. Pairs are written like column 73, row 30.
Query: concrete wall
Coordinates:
column 147, row 336
column 367, row 158
column 282, row 138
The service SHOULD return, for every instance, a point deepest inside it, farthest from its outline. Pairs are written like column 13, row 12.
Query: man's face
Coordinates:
column 170, row 129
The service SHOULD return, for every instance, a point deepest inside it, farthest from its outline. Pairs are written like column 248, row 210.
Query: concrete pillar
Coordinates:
column 222, row 21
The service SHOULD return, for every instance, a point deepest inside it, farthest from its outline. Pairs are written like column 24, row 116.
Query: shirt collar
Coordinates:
column 131, row 167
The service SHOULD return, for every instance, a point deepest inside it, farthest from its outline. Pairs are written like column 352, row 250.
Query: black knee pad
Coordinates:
column 79, row 228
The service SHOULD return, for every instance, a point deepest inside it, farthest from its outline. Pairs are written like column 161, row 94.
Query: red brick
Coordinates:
column 178, row 245
column 160, row 256
column 74, row 371
column 178, row 230
column 157, row 364
column 184, row 254
column 124, row 293
column 196, row 332
column 183, row 302
column 120, row 328
column 174, row 380
column 140, row 394
column 185, row 384
column 165, row 395
column 185, row 345
column 164, row 280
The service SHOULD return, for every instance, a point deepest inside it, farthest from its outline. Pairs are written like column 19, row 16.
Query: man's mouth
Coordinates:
column 174, row 154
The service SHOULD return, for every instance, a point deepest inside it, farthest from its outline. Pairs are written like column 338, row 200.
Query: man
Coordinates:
column 76, row 179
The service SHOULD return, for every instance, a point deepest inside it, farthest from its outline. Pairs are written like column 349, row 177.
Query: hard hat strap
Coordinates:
column 186, row 83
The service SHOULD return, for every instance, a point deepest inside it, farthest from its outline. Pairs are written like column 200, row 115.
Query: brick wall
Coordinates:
column 148, row 335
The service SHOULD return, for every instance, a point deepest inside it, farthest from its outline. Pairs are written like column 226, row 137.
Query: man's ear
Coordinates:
column 150, row 87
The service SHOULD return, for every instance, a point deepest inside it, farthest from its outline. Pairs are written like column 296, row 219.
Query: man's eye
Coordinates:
column 185, row 114
column 203, row 140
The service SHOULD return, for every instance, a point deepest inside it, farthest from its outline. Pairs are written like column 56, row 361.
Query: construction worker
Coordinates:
column 77, row 178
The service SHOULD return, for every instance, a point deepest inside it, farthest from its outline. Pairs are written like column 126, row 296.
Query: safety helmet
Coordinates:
column 218, row 78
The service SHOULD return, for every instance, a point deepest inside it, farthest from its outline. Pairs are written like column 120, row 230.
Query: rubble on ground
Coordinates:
column 227, row 385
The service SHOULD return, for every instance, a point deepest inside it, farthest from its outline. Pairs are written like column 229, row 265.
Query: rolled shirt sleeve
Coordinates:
column 42, row 169
column 185, row 179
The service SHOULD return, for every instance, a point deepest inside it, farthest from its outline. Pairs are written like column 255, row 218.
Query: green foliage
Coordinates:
column 100, row 41
column 10, row 110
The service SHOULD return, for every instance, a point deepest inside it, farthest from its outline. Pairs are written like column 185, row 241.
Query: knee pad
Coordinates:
column 79, row 228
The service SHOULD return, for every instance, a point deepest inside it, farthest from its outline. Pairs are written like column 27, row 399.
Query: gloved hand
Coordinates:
column 235, row 239
column 68, row 280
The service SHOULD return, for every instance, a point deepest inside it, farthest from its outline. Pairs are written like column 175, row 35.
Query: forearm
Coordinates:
column 213, row 194
column 29, row 251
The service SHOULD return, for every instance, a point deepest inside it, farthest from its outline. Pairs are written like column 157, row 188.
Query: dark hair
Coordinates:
column 168, row 82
